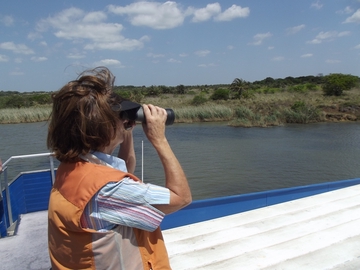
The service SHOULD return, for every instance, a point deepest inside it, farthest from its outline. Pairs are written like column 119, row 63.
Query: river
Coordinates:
column 220, row 160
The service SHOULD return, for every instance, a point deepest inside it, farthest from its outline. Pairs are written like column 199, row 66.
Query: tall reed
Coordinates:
column 245, row 117
column 203, row 113
column 24, row 115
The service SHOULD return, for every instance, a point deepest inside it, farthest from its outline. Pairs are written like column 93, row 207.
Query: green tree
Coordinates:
column 16, row 101
column 237, row 87
column 40, row 98
column 153, row 91
column 336, row 83
column 180, row 89
column 164, row 89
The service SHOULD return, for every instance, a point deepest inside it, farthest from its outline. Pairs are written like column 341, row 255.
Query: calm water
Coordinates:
column 221, row 160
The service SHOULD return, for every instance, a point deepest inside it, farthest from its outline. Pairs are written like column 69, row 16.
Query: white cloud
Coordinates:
column 7, row 20
column 34, row 35
column 108, row 62
column 169, row 14
column 151, row 14
column 271, row 47
column 355, row 18
column 183, row 55
column 230, row 47
column 357, row 46
column 207, row 65
column 202, row 53
column 306, row 55
column 327, row 36
column 16, row 48
column 204, row 14
column 233, row 12
column 259, row 38
column 3, row 58
column 214, row 11
column 76, row 25
column 75, row 55
column 332, row 61
column 38, row 59
column 153, row 55
column 344, row 33
column 295, row 29
column 278, row 58
column 18, row 60
column 346, row 10
column 172, row 60
column 16, row 72
column 94, row 17
column 316, row 5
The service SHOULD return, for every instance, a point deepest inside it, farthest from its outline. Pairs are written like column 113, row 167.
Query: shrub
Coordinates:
column 199, row 100
column 311, row 86
column 298, row 88
column 220, row 94
column 335, row 84
column 301, row 113
column 124, row 94
column 248, row 94
column 271, row 90
column 298, row 106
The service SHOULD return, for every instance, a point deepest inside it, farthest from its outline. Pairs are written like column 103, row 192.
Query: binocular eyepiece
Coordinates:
column 137, row 115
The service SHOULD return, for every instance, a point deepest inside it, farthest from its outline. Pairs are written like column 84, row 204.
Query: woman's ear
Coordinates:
column 128, row 124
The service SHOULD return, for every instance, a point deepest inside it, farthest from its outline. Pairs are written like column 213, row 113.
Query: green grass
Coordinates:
column 258, row 108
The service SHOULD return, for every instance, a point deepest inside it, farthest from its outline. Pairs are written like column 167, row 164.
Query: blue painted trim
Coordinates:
column 3, row 226
column 203, row 210
column 30, row 193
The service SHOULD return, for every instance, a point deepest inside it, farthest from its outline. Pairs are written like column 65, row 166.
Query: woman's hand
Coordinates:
column 175, row 179
column 154, row 127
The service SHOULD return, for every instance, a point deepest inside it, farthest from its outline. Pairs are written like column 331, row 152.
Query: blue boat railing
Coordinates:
column 14, row 200
column 30, row 191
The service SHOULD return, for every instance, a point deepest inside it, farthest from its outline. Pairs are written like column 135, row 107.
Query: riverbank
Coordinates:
column 259, row 109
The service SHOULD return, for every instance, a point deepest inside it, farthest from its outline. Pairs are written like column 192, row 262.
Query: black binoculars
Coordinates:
column 137, row 114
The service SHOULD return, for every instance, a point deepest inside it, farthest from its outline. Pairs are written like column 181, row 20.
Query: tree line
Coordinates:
column 331, row 85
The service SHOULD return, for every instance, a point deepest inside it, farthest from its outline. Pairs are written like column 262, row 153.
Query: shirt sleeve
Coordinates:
column 127, row 203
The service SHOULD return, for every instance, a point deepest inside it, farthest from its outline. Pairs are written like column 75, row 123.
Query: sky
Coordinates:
column 44, row 44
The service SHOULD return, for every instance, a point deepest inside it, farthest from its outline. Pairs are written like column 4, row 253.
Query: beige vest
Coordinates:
column 73, row 247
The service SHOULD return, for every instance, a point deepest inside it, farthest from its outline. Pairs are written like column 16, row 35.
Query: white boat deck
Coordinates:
column 317, row 232
column 28, row 248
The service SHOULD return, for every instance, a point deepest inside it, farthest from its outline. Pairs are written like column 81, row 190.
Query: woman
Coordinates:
column 101, row 216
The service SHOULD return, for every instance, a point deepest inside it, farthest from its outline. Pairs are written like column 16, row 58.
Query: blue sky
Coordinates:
column 44, row 44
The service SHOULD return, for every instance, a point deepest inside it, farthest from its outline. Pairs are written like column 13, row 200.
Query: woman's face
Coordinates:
column 120, row 130
column 119, row 138
column 123, row 126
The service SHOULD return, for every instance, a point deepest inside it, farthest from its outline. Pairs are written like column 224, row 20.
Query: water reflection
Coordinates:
column 221, row 160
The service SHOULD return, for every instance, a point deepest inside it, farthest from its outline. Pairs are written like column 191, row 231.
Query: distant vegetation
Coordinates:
column 269, row 102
